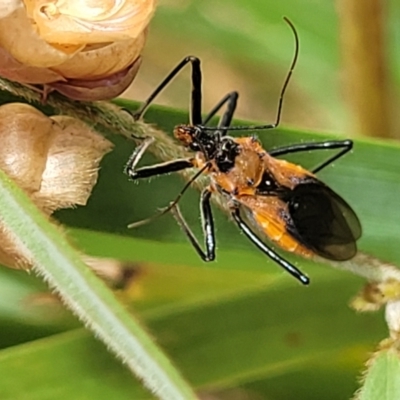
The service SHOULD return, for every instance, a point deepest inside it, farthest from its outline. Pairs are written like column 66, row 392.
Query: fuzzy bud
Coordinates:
column 54, row 159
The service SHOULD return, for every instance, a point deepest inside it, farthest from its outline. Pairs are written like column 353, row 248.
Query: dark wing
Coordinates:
column 323, row 221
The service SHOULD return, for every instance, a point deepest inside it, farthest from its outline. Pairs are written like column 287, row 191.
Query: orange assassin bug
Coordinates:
column 284, row 202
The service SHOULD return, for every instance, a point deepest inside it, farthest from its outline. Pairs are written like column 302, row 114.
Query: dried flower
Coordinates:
column 55, row 160
column 86, row 50
column 86, row 21
column 9, row 6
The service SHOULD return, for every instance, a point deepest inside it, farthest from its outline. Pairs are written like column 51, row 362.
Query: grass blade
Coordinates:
column 85, row 294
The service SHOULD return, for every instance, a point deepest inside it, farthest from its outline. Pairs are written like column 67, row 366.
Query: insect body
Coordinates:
column 288, row 203
column 282, row 201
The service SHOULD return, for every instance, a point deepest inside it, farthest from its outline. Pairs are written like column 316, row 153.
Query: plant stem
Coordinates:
column 365, row 65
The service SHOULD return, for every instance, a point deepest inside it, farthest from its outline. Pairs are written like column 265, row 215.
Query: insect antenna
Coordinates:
column 281, row 96
column 173, row 203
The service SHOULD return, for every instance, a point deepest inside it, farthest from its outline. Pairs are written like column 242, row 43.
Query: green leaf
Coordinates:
column 66, row 366
column 85, row 294
column 381, row 380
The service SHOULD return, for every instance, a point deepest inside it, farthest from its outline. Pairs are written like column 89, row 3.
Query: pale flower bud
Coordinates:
column 7, row 7
column 55, row 160
column 84, row 49
column 88, row 21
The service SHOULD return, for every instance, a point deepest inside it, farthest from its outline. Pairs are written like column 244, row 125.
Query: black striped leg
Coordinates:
column 267, row 250
column 160, row 169
column 344, row 145
column 137, row 154
column 195, row 112
column 152, row 170
column 207, row 223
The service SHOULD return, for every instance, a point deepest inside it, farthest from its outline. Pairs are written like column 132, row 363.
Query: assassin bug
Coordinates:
column 283, row 201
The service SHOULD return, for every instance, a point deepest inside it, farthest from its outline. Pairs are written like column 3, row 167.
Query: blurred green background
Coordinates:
column 244, row 45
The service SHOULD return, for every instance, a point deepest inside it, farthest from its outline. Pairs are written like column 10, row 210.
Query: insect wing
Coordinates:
column 323, row 221
column 269, row 215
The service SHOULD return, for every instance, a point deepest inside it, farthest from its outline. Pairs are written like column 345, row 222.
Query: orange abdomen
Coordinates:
column 278, row 234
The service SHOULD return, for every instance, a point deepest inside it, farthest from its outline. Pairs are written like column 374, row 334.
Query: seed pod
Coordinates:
column 55, row 160
column 26, row 135
column 71, row 165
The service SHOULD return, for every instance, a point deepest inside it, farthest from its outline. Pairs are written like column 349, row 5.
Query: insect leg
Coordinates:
column 171, row 205
column 207, row 223
column 152, row 170
column 231, row 101
column 159, row 169
column 344, row 145
column 267, row 250
column 195, row 115
column 137, row 155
